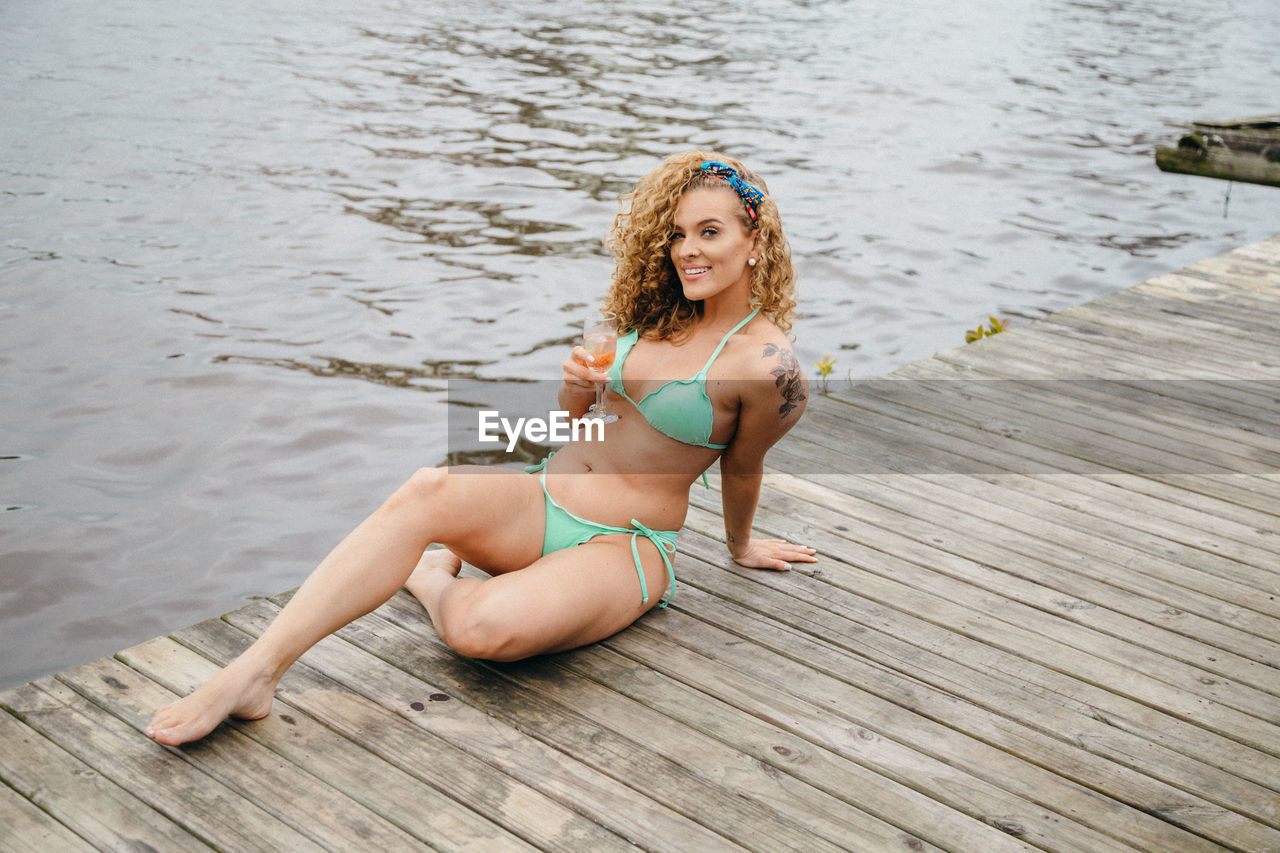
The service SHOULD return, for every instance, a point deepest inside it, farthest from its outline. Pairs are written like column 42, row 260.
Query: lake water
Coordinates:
column 243, row 249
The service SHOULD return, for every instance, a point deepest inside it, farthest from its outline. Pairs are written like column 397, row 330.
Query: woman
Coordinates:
column 704, row 284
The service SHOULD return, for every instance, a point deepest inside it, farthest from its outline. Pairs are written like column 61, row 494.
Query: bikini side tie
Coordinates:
column 665, row 547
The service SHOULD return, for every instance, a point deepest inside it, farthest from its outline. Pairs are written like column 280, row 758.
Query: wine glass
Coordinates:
column 600, row 338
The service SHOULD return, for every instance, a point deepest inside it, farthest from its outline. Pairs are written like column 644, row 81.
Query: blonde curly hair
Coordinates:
column 646, row 293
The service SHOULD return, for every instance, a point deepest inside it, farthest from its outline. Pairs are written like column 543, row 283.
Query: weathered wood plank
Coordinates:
column 1240, row 269
column 447, row 744
column 95, row 808
column 1196, row 569
column 1135, row 771
column 1148, row 406
column 917, row 813
column 891, row 594
column 1194, row 302
column 1226, row 530
column 1190, row 285
column 24, row 827
column 658, row 779
column 419, row 809
column 1023, row 419
column 295, row 797
column 1266, row 251
column 1199, row 398
column 1160, row 578
column 964, row 592
column 1184, row 343
column 1240, row 559
column 1020, row 570
column 1190, row 338
column 728, row 766
column 1236, row 315
column 1076, row 357
column 1028, row 353
column 1046, row 359
column 162, row 778
column 1191, row 361
column 1214, row 820
column 1223, row 295
column 1016, row 427
column 1206, row 509
column 1254, row 492
column 1212, row 326
column 775, row 674
column 1243, row 400
column 966, row 439
column 948, row 662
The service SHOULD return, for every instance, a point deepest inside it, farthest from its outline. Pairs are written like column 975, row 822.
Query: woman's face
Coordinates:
column 710, row 246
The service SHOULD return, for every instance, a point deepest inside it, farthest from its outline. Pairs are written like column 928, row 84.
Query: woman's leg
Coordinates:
column 568, row 598
column 361, row 573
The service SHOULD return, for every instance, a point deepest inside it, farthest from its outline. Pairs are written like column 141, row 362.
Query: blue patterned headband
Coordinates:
column 751, row 197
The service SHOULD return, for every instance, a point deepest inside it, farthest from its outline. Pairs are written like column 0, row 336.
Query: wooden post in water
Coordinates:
column 1238, row 150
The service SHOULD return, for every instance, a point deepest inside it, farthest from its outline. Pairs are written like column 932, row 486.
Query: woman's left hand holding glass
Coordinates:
column 580, row 375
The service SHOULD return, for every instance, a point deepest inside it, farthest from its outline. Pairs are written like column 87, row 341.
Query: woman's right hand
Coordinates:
column 579, row 376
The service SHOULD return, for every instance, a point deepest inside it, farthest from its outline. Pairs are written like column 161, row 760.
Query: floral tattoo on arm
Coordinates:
column 787, row 378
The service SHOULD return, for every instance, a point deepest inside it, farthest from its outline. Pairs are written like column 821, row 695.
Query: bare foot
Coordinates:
column 240, row 690
column 434, row 571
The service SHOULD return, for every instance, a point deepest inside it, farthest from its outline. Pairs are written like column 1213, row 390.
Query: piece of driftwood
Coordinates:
column 1239, row 150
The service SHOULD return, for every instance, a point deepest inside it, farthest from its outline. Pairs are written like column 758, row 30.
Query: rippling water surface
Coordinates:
column 243, row 252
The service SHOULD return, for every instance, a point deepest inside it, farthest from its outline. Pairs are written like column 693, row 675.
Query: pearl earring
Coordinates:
column 751, row 262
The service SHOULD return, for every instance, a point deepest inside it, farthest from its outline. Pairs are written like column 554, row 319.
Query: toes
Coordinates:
column 162, row 725
column 159, row 721
column 170, row 737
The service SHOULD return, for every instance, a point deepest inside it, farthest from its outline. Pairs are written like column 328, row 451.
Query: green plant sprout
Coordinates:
column 825, row 366
column 992, row 328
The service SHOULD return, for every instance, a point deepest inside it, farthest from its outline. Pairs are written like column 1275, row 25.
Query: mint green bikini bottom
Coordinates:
column 563, row 529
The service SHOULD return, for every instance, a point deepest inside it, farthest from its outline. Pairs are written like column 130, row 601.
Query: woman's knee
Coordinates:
column 477, row 627
column 422, row 487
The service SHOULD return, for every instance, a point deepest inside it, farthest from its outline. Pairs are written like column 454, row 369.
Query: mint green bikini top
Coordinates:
column 679, row 409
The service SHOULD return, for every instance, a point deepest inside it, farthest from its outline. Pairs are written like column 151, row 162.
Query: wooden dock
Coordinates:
column 1046, row 616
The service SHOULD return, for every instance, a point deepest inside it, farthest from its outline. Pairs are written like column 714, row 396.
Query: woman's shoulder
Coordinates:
column 766, row 358
column 762, row 348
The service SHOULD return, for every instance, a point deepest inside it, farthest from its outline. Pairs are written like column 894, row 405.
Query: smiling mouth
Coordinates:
column 696, row 270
